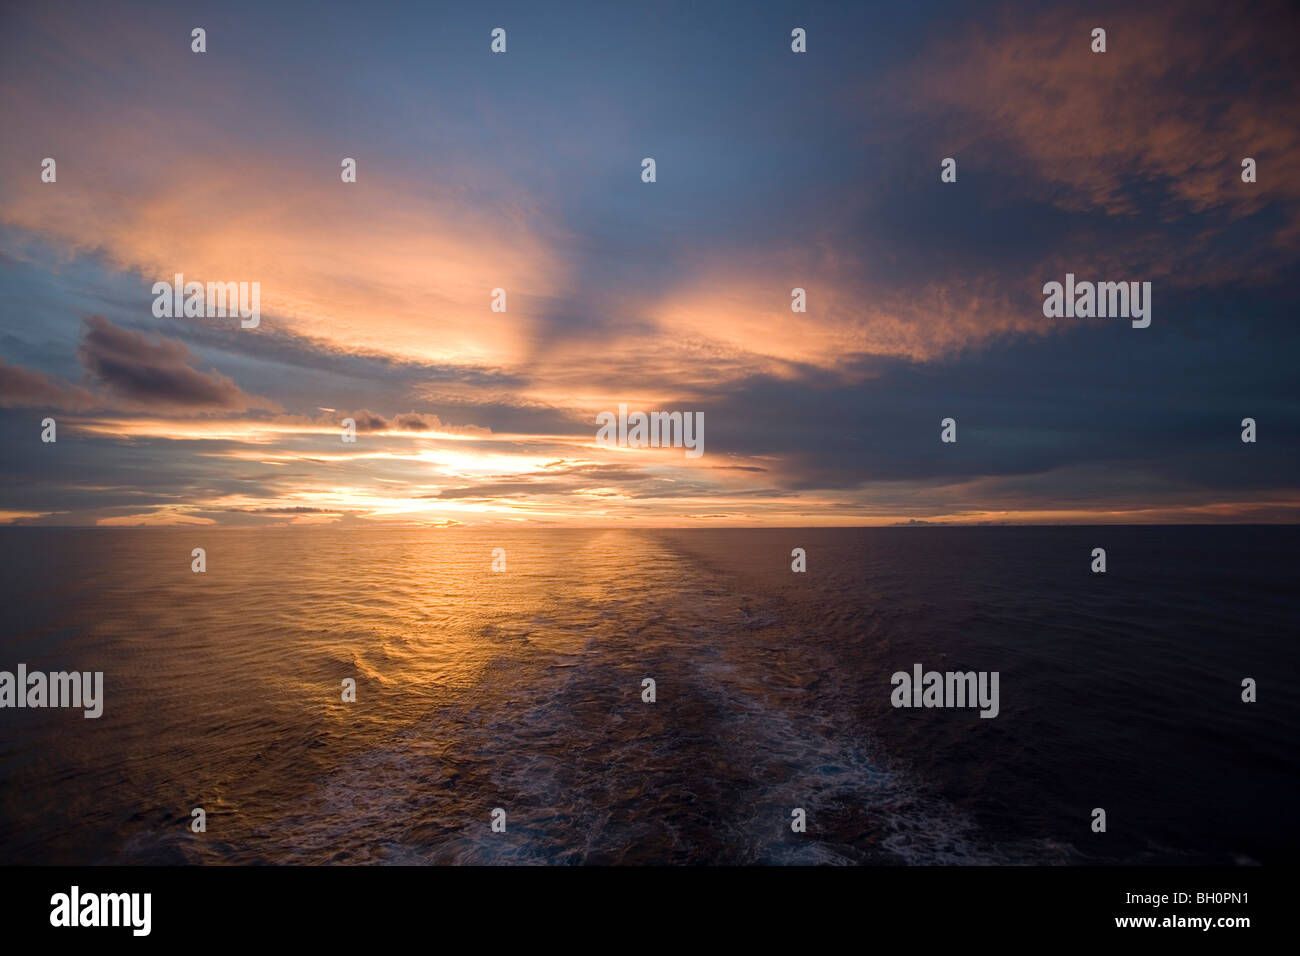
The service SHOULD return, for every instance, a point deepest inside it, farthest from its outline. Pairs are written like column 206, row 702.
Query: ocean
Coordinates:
column 522, row 690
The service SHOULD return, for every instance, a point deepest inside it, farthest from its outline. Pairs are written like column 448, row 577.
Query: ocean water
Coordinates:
column 522, row 690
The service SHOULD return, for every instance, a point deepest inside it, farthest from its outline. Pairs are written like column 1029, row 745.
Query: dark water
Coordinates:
column 522, row 690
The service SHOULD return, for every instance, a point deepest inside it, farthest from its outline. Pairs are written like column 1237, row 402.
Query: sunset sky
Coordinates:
column 522, row 171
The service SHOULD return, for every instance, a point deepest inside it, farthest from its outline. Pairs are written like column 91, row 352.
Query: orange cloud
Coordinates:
column 402, row 262
column 1099, row 123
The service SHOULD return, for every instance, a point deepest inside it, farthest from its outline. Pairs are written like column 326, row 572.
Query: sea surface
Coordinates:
column 522, row 690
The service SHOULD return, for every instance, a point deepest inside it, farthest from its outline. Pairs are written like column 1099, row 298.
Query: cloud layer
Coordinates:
column 776, row 171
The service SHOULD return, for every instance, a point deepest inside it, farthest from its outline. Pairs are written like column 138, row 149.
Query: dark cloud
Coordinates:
column 153, row 372
column 414, row 422
column 298, row 510
column 368, row 421
column 20, row 386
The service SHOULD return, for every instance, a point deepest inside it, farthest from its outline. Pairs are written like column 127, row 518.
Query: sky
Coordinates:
column 774, row 170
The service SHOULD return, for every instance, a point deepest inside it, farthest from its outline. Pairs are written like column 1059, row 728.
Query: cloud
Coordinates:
column 368, row 421
column 399, row 263
column 160, row 518
column 152, row 373
column 923, row 299
column 558, row 478
column 418, row 422
column 20, row 386
column 413, row 422
column 1137, row 129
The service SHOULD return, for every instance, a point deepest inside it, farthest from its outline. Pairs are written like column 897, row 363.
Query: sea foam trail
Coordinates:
column 588, row 773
